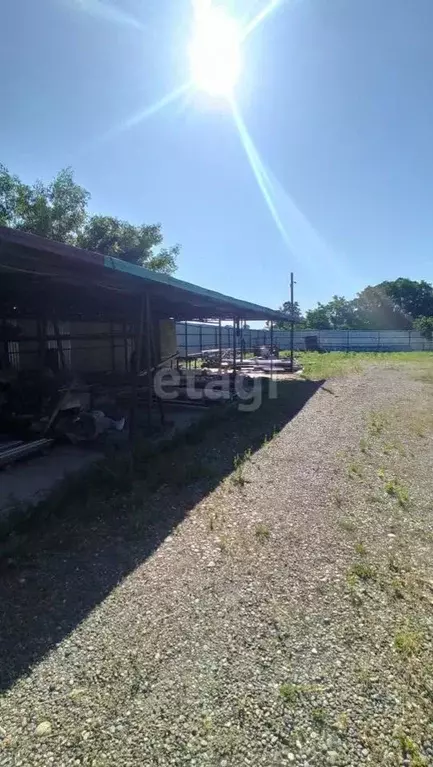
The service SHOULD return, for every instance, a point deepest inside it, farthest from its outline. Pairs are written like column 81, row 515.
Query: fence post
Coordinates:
column 186, row 343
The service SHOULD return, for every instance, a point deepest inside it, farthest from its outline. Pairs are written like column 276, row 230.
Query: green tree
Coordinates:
column 136, row 244
column 425, row 326
column 395, row 304
column 58, row 211
column 286, row 308
column 338, row 314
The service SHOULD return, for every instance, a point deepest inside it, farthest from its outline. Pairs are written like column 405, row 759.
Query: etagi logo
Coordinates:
column 249, row 390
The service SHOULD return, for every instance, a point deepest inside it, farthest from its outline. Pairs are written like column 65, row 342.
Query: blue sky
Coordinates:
column 335, row 94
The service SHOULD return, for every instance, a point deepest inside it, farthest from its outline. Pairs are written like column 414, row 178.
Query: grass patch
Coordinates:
column 360, row 549
column 397, row 490
column 317, row 366
column 354, row 470
column 376, row 424
column 319, row 717
column 289, row 693
column 408, row 642
column 363, row 571
column 410, row 750
column 262, row 533
column 239, row 462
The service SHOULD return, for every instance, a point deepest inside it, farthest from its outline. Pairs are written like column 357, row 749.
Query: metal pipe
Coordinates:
column 219, row 346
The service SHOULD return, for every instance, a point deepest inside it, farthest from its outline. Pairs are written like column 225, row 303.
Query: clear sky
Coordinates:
column 337, row 97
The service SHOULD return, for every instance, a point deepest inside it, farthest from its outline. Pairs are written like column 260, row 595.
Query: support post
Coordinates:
column 186, row 343
column 136, row 369
column 42, row 341
column 234, row 345
column 292, row 324
column 272, row 345
column 220, row 353
column 113, row 352
column 125, row 348
column 149, row 332
column 59, row 343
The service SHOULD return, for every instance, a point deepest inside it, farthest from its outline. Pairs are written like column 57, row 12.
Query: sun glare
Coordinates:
column 215, row 50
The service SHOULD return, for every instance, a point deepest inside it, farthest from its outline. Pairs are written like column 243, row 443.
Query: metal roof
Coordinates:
column 38, row 259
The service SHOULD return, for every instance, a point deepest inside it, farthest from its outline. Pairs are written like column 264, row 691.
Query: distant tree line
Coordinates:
column 401, row 304
column 58, row 210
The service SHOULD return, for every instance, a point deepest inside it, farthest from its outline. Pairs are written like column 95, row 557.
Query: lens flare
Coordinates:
column 215, row 49
column 260, row 17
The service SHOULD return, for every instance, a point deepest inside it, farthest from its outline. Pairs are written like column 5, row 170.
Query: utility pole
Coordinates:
column 292, row 324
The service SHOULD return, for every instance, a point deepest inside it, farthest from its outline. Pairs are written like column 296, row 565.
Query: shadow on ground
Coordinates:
column 94, row 532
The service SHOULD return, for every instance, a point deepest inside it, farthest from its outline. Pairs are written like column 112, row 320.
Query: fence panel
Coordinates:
column 206, row 336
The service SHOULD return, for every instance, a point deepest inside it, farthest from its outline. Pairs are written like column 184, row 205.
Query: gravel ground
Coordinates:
column 287, row 619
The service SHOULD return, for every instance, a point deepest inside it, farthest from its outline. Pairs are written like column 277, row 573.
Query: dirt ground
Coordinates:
column 271, row 606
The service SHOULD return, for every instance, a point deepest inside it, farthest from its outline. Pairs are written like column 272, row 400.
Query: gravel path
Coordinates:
column 286, row 620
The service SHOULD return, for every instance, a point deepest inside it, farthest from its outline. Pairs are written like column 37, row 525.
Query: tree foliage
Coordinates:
column 391, row 305
column 58, row 211
column 286, row 308
column 425, row 326
column 338, row 313
column 135, row 244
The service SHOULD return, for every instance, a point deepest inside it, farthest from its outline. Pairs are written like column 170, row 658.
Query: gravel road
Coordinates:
column 287, row 619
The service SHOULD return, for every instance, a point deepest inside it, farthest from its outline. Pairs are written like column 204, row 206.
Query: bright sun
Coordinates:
column 215, row 50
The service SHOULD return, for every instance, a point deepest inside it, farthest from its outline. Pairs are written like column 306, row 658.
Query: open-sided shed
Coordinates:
column 103, row 300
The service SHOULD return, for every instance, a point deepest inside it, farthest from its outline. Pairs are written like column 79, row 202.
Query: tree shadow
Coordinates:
column 98, row 528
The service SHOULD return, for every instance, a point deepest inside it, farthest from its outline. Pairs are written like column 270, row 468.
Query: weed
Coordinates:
column 239, row 462
column 381, row 473
column 363, row 571
column 376, row 424
column 410, row 749
column 408, row 642
column 342, row 723
column 364, row 676
column 207, row 724
column 319, row 717
column 354, row 469
column 289, row 693
column 394, row 565
column 238, row 474
column 223, row 544
column 360, row 549
column 398, row 491
column 363, row 445
column 262, row 532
